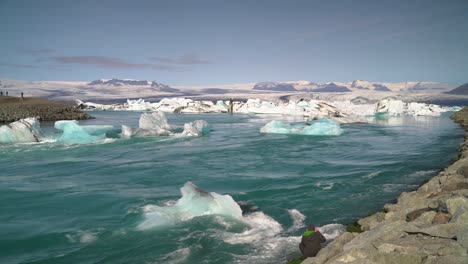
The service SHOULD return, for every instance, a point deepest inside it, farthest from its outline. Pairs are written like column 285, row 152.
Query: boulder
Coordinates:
column 441, row 218
column 331, row 250
column 463, row 170
column 457, row 206
column 443, row 230
column 384, row 230
column 462, row 236
column 415, row 214
column 371, row 221
column 445, row 260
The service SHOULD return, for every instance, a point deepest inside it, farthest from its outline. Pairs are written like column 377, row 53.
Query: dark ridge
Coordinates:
column 462, row 90
column 332, row 88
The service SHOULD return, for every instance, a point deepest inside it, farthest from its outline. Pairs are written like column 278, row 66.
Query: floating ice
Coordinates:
column 340, row 111
column 321, row 127
column 195, row 129
column 156, row 124
column 398, row 107
column 23, row 131
column 266, row 236
column 194, row 202
column 73, row 133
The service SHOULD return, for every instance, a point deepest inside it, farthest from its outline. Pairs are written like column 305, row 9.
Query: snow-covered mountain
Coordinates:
column 356, row 85
column 331, row 88
column 273, row 86
column 113, row 89
column 135, row 83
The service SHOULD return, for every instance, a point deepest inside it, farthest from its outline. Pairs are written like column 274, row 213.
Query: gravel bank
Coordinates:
column 14, row 108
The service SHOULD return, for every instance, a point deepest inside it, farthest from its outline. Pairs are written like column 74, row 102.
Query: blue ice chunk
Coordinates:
column 23, row 131
column 321, row 127
column 73, row 133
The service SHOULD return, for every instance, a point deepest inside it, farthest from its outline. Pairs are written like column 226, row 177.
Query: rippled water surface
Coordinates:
column 85, row 203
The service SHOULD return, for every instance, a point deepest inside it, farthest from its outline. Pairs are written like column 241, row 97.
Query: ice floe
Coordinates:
column 150, row 124
column 156, row 124
column 321, row 127
column 194, row 202
column 268, row 239
column 73, row 133
column 340, row 111
column 23, row 131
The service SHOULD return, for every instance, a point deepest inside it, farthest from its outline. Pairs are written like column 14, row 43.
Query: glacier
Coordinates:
column 193, row 203
column 340, row 111
column 23, row 131
column 321, row 127
column 73, row 133
column 156, row 124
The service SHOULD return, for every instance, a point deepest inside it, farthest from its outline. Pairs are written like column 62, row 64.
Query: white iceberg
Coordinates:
column 340, row 111
column 321, row 127
column 398, row 108
column 193, row 203
column 73, row 133
column 23, row 131
column 156, row 124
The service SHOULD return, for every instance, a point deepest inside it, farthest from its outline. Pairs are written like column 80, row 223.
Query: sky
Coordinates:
column 227, row 42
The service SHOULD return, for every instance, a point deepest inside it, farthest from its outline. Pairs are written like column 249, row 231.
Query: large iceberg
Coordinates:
column 156, row 124
column 73, row 133
column 194, row 202
column 398, row 107
column 321, row 127
column 341, row 111
column 23, row 131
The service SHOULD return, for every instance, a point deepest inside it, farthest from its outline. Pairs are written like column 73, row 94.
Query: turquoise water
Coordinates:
column 85, row 203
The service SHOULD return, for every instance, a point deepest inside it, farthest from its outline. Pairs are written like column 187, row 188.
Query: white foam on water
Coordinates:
column 83, row 237
column 331, row 231
column 177, row 256
column 325, row 185
column 261, row 226
column 393, row 187
column 422, row 173
column 298, row 220
column 371, row 175
column 269, row 242
column 267, row 238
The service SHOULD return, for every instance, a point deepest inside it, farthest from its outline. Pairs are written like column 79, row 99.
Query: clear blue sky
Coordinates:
column 225, row 42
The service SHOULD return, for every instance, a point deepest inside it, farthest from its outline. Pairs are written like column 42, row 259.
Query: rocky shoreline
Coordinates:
column 427, row 226
column 14, row 108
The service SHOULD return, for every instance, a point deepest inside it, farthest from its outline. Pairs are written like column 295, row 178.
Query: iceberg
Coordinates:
column 398, row 107
column 73, row 133
column 196, row 128
column 349, row 111
column 321, row 127
column 23, row 131
column 156, row 124
column 193, row 203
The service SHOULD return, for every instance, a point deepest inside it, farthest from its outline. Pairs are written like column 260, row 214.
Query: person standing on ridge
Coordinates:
column 310, row 243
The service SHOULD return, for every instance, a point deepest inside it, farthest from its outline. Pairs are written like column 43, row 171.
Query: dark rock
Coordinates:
column 417, row 213
column 463, row 171
column 462, row 89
